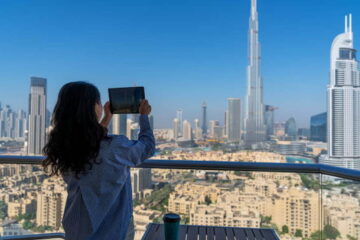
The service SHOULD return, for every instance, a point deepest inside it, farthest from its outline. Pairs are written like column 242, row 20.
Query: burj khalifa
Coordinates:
column 255, row 130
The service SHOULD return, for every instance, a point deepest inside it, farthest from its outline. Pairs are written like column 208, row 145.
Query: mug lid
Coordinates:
column 171, row 217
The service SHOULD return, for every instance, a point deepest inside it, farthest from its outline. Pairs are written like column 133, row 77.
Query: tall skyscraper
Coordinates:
column 119, row 124
column 176, row 128
column 20, row 124
column 187, row 130
column 291, row 129
column 6, row 118
column 269, row 120
column 151, row 121
column 129, row 123
column 179, row 116
column 226, row 124
column 318, row 127
column 204, row 119
column 134, row 131
column 141, row 180
column 213, row 124
column 12, row 124
column 344, row 102
column 197, row 129
column 37, row 116
column 254, row 119
column 233, row 120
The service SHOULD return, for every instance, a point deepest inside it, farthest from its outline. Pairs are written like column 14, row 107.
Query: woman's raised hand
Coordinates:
column 107, row 115
column 145, row 107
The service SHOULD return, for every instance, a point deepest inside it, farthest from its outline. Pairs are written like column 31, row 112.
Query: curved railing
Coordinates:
column 345, row 173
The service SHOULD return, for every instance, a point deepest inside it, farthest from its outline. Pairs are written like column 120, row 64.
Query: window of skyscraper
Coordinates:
column 346, row 53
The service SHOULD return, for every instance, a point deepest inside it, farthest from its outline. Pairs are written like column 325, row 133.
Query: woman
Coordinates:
column 95, row 165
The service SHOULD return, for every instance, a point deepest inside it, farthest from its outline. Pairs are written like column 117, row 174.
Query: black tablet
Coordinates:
column 125, row 100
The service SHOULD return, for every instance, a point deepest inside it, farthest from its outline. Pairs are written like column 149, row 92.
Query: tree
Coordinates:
column 331, row 232
column 207, row 200
column 298, row 233
column 317, row 235
column 351, row 237
column 26, row 216
column 309, row 181
column 265, row 219
column 27, row 224
column 2, row 210
column 285, row 229
column 42, row 228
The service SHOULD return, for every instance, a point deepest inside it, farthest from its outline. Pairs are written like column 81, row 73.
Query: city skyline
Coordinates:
column 216, row 39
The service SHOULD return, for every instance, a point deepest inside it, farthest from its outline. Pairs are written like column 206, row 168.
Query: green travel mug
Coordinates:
column 171, row 226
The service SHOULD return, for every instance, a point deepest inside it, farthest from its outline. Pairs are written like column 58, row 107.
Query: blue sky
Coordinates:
column 183, row 52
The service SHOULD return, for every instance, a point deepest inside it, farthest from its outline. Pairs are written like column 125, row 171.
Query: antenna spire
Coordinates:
column 350, row 23
column 253, row 8
column 346, row 23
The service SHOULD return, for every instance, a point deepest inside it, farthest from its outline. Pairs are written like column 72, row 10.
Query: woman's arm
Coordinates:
column 134, row 152
column 107, row 115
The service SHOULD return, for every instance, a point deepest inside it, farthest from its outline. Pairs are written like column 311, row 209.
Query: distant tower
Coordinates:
column 318, row 126
column 119, row 124
column 197, row 129
column 179, row 116
column 291, row 129
column 20, row 124
column 187, row 130
column 37, row 116
column 141, row 180
column 134, row 131
column 254, row 119
column 151, row 121
column 176, row 128
column 213, row 125
column 129, row 123
column 204, row 119
column 233, row 120
column 226, row 124
column 269, row 120
column 343, row 103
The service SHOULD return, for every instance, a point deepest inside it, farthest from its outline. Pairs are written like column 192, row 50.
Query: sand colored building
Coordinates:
column 51, row 203
column 220, row 215
column 342, row 211
column 142, row 217
column 243, row 156
column 23, row 206
column 187, row 196
column 297, row 208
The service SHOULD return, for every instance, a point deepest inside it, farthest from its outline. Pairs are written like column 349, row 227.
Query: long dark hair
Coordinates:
column 74, row 141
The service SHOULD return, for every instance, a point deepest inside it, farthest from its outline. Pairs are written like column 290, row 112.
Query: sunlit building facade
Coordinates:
column 344, row 103
column 37, row 116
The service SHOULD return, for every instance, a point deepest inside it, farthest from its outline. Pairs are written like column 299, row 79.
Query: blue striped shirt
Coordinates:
column 99, row 203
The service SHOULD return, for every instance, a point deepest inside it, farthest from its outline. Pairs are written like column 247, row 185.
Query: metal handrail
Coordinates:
column 345, row 173
column 35, row 236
